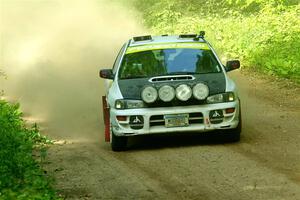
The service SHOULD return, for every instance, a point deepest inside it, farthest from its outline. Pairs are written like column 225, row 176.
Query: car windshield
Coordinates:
column 160, row 62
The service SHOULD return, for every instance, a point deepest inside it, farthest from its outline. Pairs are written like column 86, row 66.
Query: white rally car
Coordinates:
column 166, row 84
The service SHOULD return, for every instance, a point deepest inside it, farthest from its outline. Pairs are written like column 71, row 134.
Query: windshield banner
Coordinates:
column 148, row 47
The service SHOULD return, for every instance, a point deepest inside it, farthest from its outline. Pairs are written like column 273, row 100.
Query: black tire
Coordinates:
column 235, row 134
column 118, row 143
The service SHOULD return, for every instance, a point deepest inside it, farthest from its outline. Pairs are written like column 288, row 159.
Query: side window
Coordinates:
column 117, row 61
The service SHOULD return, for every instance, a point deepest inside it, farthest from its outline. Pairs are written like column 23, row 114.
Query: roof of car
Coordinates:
column 164, row 39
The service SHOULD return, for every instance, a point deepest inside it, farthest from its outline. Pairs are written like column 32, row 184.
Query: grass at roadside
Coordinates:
column 21, row 176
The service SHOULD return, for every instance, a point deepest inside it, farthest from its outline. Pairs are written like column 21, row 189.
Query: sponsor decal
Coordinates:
column 136, row 120
column 216, row 114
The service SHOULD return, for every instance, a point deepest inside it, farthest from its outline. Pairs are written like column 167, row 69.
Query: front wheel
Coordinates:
column 118, row 143
column 235, row 134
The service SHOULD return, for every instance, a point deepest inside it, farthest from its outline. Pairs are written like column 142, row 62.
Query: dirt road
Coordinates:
column 52, row 52
column 264, row 165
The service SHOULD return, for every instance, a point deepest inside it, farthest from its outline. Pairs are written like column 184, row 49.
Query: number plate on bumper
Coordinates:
column 178, row 120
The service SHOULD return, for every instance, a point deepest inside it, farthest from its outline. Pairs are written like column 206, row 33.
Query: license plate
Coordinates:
column 178, row 120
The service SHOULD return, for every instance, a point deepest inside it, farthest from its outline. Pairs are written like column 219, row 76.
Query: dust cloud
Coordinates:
column 52, row 51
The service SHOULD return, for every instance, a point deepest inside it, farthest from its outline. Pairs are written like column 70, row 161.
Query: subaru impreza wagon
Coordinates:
column 168, row 84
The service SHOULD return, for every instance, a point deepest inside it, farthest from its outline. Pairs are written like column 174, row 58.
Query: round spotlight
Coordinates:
column 183, row 92
column 149, row 94
column 166, row 93
column 200, row 91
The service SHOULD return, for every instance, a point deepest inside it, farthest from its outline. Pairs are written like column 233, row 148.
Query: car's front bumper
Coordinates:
column 199, row 122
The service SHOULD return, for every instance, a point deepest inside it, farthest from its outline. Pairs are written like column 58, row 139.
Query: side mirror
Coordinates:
column 106, row 73
column 232, row 65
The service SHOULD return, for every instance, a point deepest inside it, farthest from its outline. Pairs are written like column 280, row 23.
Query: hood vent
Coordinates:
column 171, row 78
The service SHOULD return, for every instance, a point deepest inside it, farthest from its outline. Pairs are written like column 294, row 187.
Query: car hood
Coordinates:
column 132, row 88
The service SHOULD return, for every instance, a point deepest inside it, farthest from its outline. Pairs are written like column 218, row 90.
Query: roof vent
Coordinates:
column 142, row 38
column 172, row 78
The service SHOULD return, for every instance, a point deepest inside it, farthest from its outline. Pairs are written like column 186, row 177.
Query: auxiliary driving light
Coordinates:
column 149, row 94
column 166, row 93
column 183, row 92
column 200, row 91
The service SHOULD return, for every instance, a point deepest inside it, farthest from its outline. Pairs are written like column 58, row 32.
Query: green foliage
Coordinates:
column 263, row 34
column 21, row 177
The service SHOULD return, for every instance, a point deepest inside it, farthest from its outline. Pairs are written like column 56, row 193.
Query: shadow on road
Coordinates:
column 151, row 142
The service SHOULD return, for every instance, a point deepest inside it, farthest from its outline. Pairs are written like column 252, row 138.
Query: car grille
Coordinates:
column 194, row 118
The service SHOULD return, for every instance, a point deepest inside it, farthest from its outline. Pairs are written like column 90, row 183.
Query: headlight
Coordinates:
column 183, row 92
column 149, row 94
column 200, row 91
column 220, row 98
column 166, row 93
column 128, row 104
